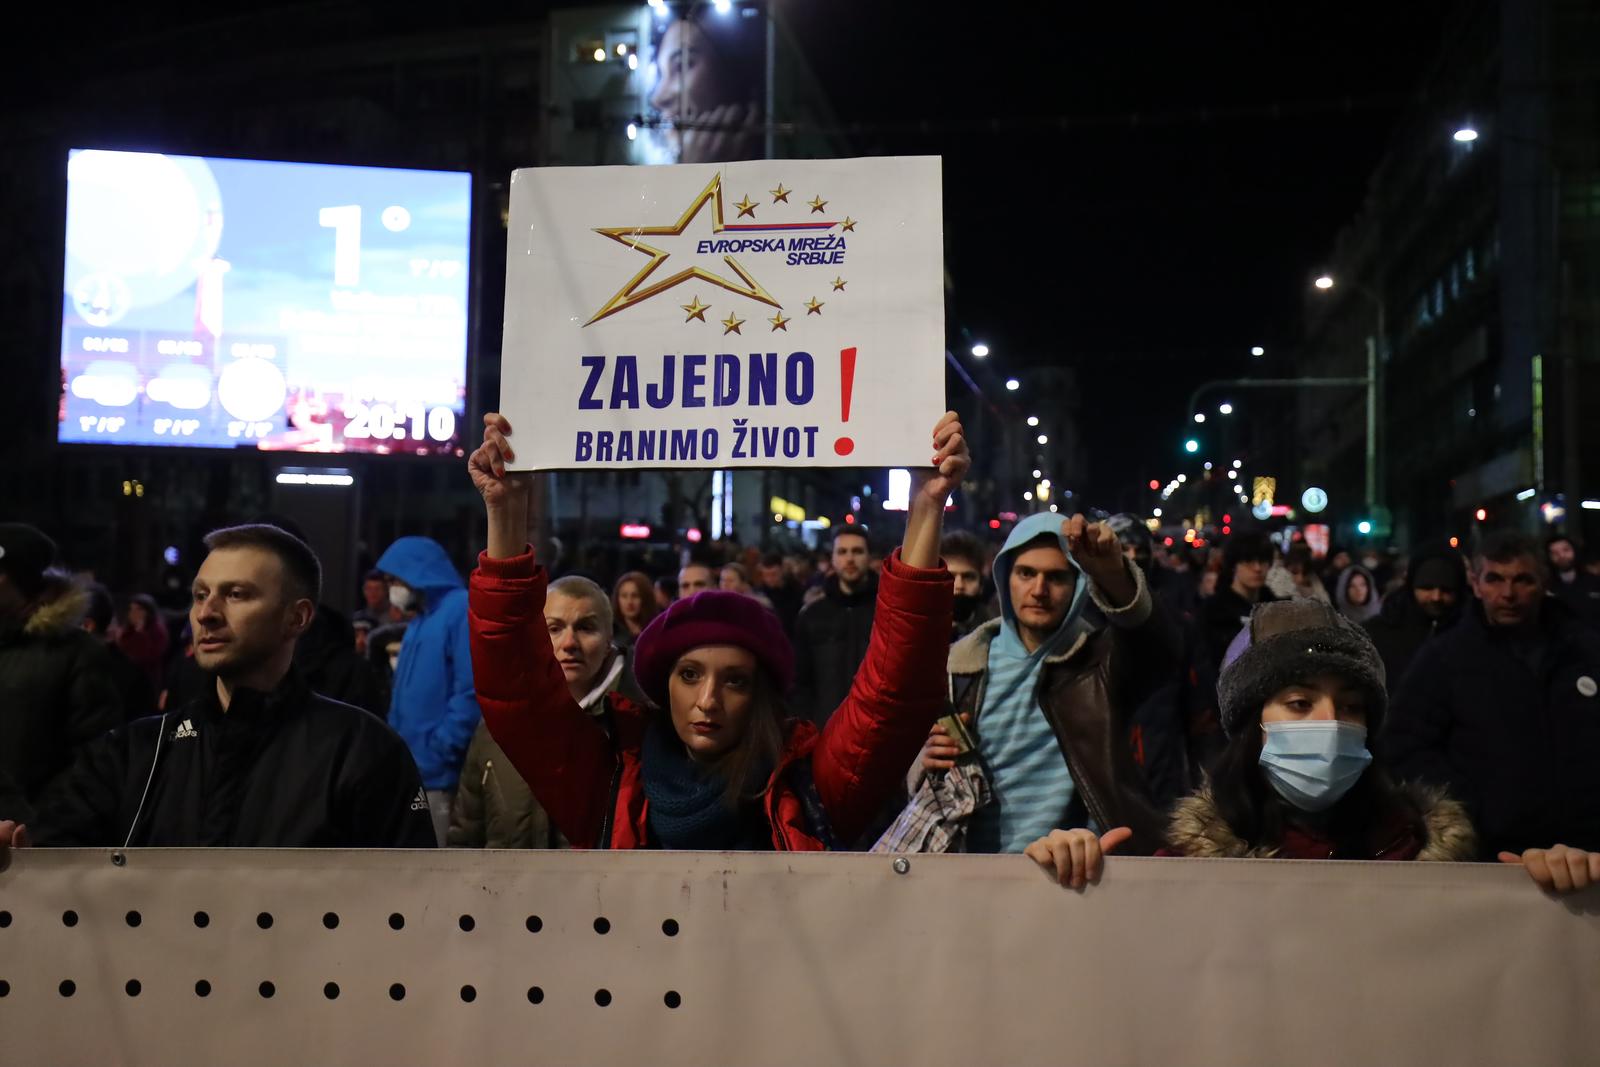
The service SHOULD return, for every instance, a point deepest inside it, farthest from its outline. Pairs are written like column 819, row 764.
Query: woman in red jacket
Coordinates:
column 714, row 763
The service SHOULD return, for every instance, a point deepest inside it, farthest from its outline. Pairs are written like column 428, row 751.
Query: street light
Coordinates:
column 1466, row 135
column 1258, row 351
column 1037, row 473
column 1033, row 420
column 1013, row 385
column 1043, row 439
column 1225, row 409
column 980, row 350
column 1377, row 349
column 1199, row 416
column 1191, row 446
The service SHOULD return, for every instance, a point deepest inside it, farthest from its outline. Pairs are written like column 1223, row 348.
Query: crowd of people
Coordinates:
column 1080, row 689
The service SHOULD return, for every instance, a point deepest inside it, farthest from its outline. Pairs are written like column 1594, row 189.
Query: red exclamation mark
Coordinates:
column 847, row 381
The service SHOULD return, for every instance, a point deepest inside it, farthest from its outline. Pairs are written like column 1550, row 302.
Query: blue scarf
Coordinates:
column 687, row 809
column 1028, row 776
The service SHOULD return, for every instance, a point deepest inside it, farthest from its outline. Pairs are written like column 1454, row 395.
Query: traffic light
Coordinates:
column 1364, row 527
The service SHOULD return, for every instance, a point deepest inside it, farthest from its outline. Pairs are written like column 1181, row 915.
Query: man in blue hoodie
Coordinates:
column 433, row 706
column 1048, row 695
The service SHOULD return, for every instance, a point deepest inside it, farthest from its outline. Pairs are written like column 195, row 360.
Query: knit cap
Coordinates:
column 1288, row 641
column 714, row 617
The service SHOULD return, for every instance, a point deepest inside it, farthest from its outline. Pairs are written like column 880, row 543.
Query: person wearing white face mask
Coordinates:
column 433, row 704
column 1301, row 690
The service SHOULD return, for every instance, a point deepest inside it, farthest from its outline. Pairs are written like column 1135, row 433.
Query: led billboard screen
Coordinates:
column 231, row 303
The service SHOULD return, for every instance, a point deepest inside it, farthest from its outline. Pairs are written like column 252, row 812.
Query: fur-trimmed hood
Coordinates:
column 1198, row 829
column 59, row 608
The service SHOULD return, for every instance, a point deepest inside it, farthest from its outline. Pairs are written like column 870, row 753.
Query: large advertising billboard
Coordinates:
column 705, row 85
column 232, row 303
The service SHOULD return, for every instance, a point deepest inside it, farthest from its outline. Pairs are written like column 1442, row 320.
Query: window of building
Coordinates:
column 1469, row 265
column 1438, row 297
column 1455, row 281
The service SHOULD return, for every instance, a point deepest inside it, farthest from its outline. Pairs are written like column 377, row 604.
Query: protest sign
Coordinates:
column 758, row 314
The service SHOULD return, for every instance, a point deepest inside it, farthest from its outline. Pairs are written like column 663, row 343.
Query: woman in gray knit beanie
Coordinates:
column 1301, row 691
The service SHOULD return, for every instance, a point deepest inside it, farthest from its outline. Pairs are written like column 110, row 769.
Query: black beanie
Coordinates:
column 1437, row 572
column 1287, row 641
column 25, row 554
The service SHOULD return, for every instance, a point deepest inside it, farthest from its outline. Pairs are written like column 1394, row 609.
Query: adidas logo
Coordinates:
column 185, row 729
column 420, row 801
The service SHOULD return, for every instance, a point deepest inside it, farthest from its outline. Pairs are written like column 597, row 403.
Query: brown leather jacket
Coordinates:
column 1088, row 694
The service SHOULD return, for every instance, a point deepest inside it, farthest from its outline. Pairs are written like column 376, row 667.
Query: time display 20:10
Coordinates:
column 397, row 423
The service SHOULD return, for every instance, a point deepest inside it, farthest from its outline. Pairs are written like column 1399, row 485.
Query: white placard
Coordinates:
column 757, row 314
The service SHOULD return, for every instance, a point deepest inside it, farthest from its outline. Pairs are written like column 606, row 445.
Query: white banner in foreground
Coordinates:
column 761, row 314
column 175, row 956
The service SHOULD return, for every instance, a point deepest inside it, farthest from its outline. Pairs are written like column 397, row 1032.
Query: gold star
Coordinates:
column 814, row 306
column 635, row 290
column 696, row 309
column 779, row 323
column 838, row 284
column 746, row 207
column 732, row 324
column 780, row 195
column 848, row 224
column 818, row 204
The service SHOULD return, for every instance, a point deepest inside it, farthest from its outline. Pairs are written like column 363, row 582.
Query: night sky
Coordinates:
column 1143, row 190
column 1140, row 191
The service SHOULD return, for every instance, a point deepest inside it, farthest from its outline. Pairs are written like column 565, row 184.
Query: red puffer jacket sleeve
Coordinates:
column 898, row 693
column 561, row 752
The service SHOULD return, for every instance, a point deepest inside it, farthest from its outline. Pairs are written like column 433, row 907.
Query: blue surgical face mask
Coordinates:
column 1313, row 764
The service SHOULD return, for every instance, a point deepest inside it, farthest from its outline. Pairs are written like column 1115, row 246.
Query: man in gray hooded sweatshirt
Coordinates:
column 1047, row 695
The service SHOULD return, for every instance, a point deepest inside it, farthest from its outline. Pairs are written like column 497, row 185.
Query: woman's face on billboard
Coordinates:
column 690, row 84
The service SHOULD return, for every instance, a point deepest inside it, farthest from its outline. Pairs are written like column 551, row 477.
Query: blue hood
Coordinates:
column 422, row 564
column 1047, row 522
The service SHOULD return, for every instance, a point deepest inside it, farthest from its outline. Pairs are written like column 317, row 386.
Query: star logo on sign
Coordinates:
column 814, row 306
column 838, row 284
column 695, row 309
column 746, row 207
column 779, row 323
column 732, row 325
column 848, row 224
column 641, row 287
column 780, row 195
column 818, row 204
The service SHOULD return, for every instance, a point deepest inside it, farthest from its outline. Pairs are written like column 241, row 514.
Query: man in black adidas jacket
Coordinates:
column 258, row 760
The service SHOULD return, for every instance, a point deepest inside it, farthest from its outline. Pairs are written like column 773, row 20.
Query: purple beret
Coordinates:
column 714, row 617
